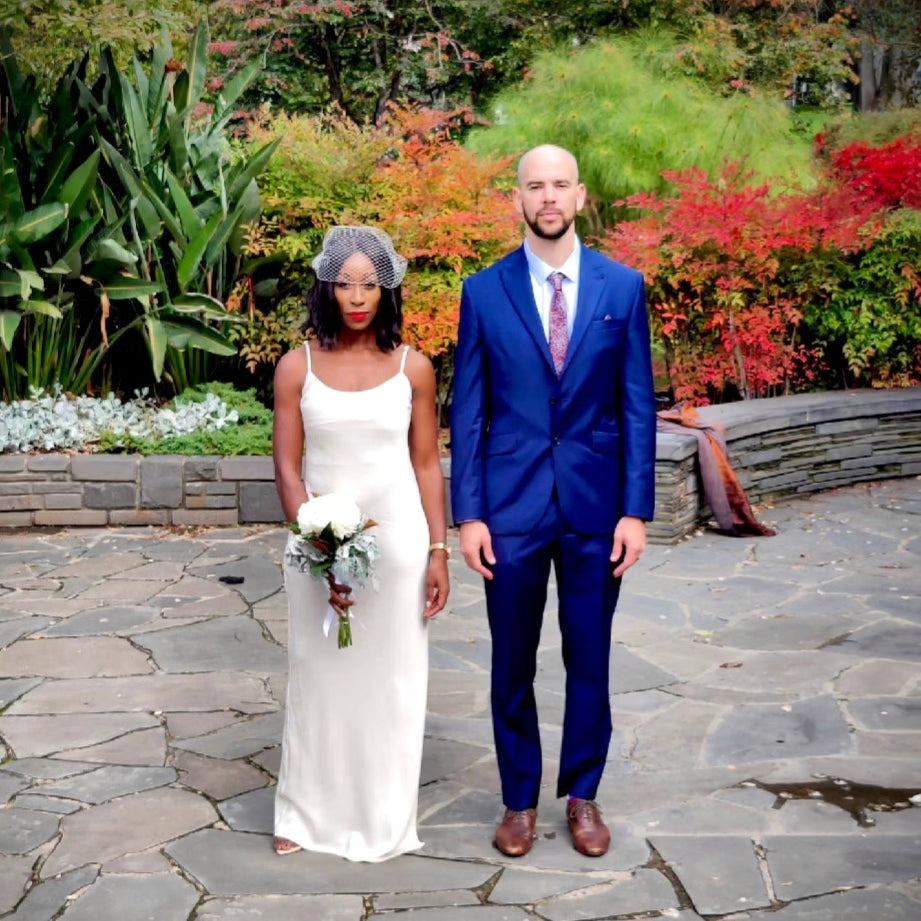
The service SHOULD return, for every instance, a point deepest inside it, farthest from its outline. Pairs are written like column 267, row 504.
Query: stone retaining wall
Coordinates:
column 779, row 447
column 106, row 489
column 785, row 446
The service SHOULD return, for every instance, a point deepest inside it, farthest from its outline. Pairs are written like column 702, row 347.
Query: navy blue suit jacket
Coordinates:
column 518, row 429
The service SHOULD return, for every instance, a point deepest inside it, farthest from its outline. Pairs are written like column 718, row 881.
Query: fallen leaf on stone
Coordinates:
column 730, row 664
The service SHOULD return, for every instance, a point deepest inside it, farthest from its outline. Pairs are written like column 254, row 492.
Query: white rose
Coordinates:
column 336, row 510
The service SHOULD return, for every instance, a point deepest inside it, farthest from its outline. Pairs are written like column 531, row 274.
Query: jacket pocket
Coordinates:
column 502, row 444
column 607, row 325
column 606, row 442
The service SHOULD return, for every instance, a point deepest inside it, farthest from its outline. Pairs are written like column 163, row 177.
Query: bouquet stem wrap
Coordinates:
column 332, row 543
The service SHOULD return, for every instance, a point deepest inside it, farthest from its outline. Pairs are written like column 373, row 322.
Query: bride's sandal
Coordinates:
column 284, row 846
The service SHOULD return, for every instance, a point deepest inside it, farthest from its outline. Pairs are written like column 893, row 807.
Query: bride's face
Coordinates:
column 357, row 292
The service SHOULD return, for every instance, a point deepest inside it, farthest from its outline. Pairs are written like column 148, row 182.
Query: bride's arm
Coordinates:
column 423, row 450
column 288, row 432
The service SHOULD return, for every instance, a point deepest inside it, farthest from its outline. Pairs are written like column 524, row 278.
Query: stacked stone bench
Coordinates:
column 779, row 447
column 786, row 446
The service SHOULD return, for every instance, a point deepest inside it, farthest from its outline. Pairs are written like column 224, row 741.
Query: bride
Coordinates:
column 355, row 411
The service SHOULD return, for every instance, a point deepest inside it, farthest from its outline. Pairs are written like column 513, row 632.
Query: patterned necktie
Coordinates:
column 559, row 331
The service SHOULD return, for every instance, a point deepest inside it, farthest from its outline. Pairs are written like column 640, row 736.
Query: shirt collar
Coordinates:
column 541, row 271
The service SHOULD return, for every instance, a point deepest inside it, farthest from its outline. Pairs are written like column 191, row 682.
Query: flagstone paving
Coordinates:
column 756, row 684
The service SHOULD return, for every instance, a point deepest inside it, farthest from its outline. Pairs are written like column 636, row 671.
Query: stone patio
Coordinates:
column 758, row 683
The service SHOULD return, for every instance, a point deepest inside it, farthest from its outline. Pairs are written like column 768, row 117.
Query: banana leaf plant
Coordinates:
column 48, row 176
column 122, row 201
column 188, row 195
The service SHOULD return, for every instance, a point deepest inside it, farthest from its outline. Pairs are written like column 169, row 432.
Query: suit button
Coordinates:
column 553, row 401
column 556, row 441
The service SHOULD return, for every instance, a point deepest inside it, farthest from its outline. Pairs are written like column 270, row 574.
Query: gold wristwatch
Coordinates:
column 441, row 545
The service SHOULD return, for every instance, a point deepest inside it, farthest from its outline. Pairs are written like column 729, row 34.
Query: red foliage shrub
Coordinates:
column 718, row 255
column 889, row 176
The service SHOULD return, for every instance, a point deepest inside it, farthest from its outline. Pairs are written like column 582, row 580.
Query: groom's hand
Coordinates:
column 476, row 547
column 629, row 544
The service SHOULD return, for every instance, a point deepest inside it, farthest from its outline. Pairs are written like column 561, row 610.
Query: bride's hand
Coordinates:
column 436, row 584
column 339, row 597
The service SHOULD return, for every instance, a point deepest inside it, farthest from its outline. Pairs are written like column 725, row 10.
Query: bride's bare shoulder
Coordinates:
column 291, row 367
column 418, row 366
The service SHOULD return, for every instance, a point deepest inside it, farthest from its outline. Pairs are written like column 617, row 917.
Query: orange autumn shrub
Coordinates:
column 448, row 211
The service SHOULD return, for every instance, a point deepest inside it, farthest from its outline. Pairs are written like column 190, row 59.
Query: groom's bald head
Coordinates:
column 547, row 155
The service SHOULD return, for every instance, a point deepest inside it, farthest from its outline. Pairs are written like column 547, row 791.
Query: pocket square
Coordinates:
column 607, row 316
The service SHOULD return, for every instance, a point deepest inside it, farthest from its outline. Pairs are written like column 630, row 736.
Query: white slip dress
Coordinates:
column 355, row 717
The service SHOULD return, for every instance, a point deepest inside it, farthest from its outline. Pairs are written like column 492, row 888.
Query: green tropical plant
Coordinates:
column 121, row 200
column 189, row 192
column 52, row 233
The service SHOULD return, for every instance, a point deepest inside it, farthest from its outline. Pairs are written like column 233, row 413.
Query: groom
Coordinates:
column 553, row 457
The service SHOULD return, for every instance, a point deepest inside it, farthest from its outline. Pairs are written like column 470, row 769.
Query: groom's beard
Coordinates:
column 538, row 231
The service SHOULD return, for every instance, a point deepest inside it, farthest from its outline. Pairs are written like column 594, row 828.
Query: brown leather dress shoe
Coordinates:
column 515, row 834
column 590, row 836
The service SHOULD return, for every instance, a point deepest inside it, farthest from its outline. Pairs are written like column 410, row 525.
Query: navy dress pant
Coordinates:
column 515, row 598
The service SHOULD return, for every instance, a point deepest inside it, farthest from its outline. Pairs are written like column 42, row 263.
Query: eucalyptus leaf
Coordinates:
column 61, row 267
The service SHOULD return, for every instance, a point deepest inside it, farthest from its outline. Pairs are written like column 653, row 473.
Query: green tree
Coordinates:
column 48, row 35
column 357, row 54
column 890, row 51
column 628, row 112
column 363, row 54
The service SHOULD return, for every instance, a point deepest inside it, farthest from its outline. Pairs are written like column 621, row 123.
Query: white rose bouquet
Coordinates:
column 334, row 546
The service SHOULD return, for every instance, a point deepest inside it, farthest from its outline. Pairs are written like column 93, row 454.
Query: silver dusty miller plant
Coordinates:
column 56, row 422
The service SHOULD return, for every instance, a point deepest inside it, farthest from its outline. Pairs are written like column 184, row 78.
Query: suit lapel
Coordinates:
column 591, row 287
column 516, row 279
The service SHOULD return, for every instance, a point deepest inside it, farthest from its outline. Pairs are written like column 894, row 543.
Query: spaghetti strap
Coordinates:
column 307, row 350
column 403, row 360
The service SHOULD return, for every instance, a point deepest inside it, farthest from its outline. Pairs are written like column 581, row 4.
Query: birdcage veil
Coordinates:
column 342, row 242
